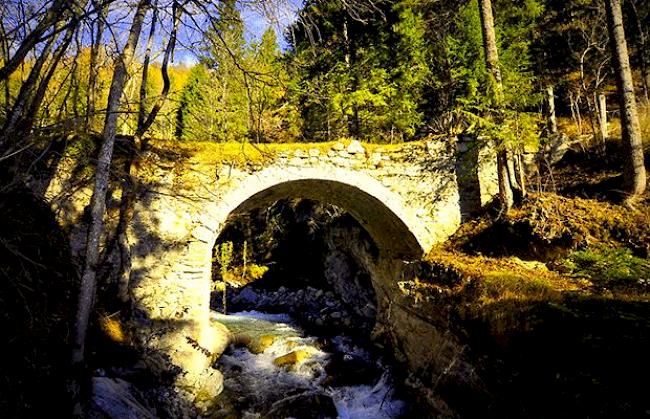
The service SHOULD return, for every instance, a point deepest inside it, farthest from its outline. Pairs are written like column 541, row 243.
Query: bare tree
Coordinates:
column 53, row 15
column 98, row 201
column 145, row 121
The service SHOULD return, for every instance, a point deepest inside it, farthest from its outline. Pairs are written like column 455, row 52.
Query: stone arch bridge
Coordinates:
column 408, row 197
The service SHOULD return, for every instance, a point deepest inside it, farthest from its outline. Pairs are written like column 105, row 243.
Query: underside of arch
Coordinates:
column 390, row 233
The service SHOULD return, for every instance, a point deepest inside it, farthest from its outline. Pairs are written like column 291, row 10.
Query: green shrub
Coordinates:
column 609, row 268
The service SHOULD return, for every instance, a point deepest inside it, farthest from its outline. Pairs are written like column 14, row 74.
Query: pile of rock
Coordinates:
column 310, row 306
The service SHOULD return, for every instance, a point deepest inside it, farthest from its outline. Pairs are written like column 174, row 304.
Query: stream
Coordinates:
column 283, row 372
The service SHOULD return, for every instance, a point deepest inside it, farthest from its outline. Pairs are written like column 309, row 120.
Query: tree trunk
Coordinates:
column 602, row 120
column 634, row 172
column 142, row 109
column 490, row 48
column 505, row 188
column 520, row 174
column 4, row 48
column 592, row 111
column 93, row 71
column 492, row 63
column 552, row 119
column 98, row 201
column 575, row 112
column 144, row 123
column 643, row 53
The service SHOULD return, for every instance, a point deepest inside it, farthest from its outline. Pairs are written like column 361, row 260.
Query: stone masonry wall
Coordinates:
column 407, row 197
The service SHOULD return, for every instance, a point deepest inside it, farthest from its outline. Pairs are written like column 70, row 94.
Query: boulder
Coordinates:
column 260, row 345
column 292, row 358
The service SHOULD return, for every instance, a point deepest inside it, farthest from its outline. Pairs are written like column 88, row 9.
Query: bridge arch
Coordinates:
column 382, row 213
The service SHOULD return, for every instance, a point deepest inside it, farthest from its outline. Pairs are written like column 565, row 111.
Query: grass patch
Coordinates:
column 499, row 285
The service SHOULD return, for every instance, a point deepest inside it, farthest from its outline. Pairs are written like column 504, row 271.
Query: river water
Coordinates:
column 284, row 372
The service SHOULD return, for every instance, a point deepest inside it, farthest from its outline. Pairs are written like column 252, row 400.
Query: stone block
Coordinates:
column 356, row 147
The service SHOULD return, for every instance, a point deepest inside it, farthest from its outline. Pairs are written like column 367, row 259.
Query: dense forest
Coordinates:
column 109, row 77
column 380, row 72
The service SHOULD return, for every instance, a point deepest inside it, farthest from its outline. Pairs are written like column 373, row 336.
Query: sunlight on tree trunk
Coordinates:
column 602, row 120
column 98, row 201
column 492, row 63
column 552, row 119
column 634, row 172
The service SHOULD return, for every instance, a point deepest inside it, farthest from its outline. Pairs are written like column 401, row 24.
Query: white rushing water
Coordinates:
column 254, row 381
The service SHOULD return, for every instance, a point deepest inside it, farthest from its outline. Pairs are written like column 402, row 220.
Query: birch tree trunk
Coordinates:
column 552, row 119
column 575, row 112
column 98, row 201
column 634, row 172
column 492, row 62
column 602, row 120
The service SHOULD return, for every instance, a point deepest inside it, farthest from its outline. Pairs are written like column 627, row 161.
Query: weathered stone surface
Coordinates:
column 356, row 147
column 407, row 198
column 376, row 159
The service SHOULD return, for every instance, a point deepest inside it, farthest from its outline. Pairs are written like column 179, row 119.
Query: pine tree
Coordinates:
column 197, row 112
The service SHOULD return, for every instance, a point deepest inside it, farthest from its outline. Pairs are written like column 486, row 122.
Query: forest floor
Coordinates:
column 556, row 294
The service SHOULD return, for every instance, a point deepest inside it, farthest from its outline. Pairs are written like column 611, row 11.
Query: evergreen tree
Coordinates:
column 363, row 76
column 271, row 116
column 198, row 113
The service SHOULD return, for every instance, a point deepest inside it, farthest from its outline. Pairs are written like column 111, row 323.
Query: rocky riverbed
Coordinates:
column 280, row 371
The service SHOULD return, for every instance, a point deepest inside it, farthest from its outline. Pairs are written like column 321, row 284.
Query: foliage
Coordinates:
column 197, row 113
column 361, row 78
column 237, row 92
column 511, row 123
column 609, row 267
